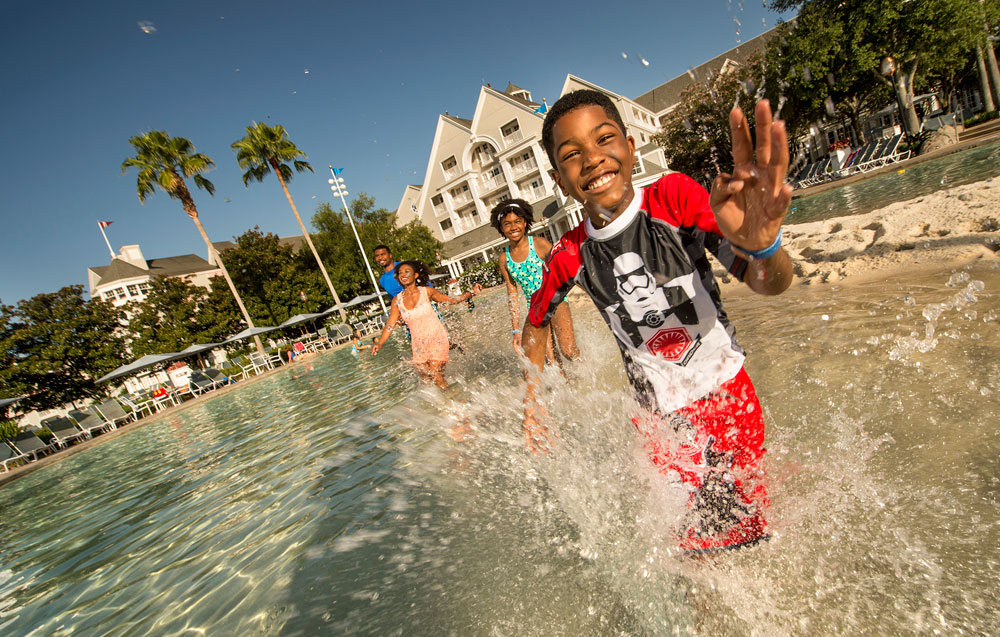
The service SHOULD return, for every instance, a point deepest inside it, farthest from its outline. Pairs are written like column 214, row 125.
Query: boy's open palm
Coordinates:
column 751, row 203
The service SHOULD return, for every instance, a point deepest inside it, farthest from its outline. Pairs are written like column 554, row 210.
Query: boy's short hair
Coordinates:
column 569, row 101
column 520, row 207
column 381, row 246
column 422, row 272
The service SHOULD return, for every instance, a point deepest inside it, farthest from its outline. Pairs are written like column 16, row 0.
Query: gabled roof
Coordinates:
column 464, row 123
column 513, row 88
column 669, row 93
column 118, row 270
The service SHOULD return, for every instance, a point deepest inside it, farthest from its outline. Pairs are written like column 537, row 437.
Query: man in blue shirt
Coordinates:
column 383, row 257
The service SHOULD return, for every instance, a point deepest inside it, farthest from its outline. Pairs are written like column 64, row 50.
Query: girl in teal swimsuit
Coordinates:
column 522, row 264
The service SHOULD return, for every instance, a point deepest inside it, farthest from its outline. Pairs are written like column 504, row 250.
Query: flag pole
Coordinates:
column 99, row 225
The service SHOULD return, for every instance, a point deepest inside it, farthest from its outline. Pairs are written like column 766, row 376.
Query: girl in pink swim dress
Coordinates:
column 428, row 336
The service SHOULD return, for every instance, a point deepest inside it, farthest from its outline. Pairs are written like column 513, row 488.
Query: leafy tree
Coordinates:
column 55, row 345
column 267, row 149
column 336, row 243
column 173, row 316
column 163, row 162
column 695, row 136
column 274, row 279
column 910, row 32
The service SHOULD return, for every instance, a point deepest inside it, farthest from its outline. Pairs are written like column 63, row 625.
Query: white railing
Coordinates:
column 462, row 197
column 524, row 167
column 533, row 194
column 450, row 173
column 491, row 183
column 513, row 138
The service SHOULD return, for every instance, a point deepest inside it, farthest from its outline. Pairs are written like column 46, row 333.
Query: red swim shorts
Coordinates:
column 714, row 447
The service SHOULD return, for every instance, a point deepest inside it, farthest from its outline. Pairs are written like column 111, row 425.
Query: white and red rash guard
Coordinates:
column 675, row 338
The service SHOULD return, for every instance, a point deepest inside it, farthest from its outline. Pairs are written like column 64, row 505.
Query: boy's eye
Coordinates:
column 570, row 154
column 605, row 138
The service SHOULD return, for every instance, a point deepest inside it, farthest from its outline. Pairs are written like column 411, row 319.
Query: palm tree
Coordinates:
column 265, row 149
column 164, row 161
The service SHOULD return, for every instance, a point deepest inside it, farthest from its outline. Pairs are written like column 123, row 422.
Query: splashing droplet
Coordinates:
column 829, row 79
column 828, row 104
column 624, row 55
column 807, row 74
column 146, row 27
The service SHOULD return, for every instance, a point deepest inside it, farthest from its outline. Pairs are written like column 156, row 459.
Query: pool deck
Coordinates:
column 902, row 165
column 62, row 454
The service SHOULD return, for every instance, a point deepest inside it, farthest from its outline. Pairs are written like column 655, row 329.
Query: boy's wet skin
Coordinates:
column 595, row 162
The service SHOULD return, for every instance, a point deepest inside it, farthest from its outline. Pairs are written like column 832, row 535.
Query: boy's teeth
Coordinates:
column 600, row 181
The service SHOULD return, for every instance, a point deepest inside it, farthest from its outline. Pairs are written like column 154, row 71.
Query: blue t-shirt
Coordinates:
column 389, row 283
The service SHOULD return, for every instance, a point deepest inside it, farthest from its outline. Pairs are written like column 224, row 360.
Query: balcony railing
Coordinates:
column 461, row 198
column 450, row 173
column 524, row 167
column 534, row 194
column 513, row 138
column 492, row 183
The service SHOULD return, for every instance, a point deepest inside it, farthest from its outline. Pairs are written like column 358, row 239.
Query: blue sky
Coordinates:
column 80, row 78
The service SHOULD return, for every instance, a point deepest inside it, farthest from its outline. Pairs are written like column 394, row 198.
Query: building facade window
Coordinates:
column 133, row 290
column 638, row 167
column 511, row 132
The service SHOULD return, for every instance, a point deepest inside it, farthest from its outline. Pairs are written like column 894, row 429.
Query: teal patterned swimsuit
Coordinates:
column 527, row 273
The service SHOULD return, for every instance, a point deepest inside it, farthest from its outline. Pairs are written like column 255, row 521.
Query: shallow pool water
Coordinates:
column 915, row 180
column 329, row 498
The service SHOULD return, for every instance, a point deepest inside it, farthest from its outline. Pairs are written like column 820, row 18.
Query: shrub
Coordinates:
column 44, row 434
column 8, row 429
column 981, row 117
column 486, row 274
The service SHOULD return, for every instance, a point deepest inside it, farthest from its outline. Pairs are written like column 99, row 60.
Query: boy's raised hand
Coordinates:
column 750, row 204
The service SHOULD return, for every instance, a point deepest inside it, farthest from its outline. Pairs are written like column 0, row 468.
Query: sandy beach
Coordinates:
column 949, row 228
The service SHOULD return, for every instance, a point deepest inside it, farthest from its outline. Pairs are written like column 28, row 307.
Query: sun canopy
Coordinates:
column 355, row 301
column 302, row 318
column 4, row 402
column 197, row 349
column 249, row 332
column 146, row 361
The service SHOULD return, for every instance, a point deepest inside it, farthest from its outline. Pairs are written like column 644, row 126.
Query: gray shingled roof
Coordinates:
column 118, row 270
column 465, row 123
column 669, row 93
column 513, row 88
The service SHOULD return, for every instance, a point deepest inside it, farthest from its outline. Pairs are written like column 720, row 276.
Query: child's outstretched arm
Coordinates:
column 537, row 437
column 440, row 297
column 390, row 323
column 751, row 203
column 514, row 304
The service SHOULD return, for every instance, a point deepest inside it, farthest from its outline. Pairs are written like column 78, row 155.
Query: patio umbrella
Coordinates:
column 146, row 361
column 190, row 350
column 302, row 318
column 355, row 301
column 5, row 402
column 249, row 332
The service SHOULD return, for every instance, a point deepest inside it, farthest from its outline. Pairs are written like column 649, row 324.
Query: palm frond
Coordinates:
column 204, row 184
column 302, row 166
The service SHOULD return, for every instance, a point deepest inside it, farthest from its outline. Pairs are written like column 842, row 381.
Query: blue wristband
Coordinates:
column 766, row 252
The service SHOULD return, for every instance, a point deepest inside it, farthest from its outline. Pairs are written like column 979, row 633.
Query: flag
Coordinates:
column 104, row 224
column 543, row 109
column 337, row 171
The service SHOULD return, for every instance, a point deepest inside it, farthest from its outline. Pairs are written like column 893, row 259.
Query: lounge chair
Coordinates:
column 89, row 421
column 200, row 383
column 219, row 378
column 8, row 455
column 139, row 406
column 247, row 368
column 27, row 443
column 265, row 362
column 112, row 412
column 64, row 431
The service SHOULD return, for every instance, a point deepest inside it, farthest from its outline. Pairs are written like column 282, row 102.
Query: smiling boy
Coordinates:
column 641, row 257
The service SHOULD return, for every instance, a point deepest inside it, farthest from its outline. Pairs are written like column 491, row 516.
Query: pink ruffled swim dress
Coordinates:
column 427, row 334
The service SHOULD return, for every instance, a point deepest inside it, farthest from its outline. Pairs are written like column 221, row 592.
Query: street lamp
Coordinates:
column 340, row 190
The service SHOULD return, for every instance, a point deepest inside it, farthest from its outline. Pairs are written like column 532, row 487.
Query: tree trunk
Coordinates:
column 904, row 96
column 193, row 213
column 991, row 65
column 305, row 234
column 984, row 83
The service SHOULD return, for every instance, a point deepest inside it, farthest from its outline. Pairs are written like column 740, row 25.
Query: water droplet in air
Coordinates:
column 692, row 75
column 825, row 317
column 644, row 61
column 624, row 55
column 807, row 74
column 829, row 79
column 829, row 207
column 909, row 300
column 687, row 124
column 944, row 181
column 227, row 200
column 146, row 27
column 828, row 104
column 306, row 71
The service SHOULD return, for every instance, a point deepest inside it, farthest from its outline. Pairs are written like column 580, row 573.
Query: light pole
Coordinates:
column 339, row 189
